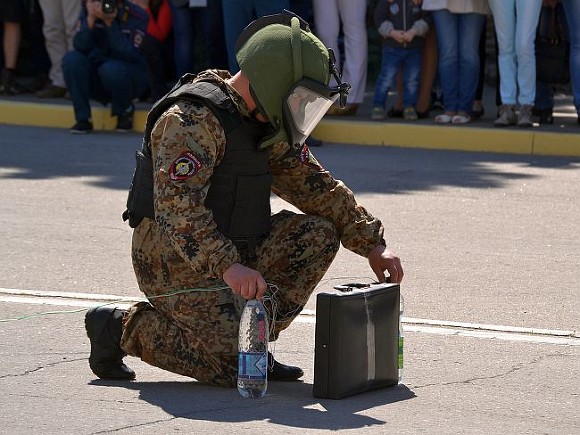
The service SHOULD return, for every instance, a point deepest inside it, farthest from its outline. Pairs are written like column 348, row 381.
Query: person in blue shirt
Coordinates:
column 107, row 64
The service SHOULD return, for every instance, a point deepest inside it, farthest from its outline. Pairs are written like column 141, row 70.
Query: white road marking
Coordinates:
column 426, row 326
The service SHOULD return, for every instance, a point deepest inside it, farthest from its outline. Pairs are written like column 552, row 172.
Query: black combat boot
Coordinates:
column 8, row 82
column 104, row 327
column 281, row 372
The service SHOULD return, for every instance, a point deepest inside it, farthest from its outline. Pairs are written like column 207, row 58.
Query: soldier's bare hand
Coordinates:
column 244, row 281
column 381, row 259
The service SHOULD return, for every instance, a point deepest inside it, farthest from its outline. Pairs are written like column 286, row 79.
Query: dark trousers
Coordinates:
column 112, row 80
column 160, row 65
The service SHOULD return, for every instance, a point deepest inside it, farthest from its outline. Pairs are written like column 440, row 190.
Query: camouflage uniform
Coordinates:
column 195, row 333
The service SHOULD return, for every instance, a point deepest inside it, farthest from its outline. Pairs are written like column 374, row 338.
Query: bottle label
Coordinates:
column 252, row 365
column 400, row 355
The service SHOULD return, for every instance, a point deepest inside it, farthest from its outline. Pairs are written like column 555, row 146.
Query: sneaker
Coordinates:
column 52, row 91
column 525, row 115
column 461, row 118
column 410, row 114
column 125, row 122
column 506, row 116
column 378, row 113
column 82, row 127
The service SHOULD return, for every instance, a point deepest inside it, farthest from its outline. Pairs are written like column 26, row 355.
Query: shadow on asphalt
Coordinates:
column 108, row 159
column 286, row 404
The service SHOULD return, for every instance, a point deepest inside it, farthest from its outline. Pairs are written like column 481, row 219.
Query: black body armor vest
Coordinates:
column 239, row 192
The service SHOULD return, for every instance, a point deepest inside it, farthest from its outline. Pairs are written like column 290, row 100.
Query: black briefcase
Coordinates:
column 356, row 339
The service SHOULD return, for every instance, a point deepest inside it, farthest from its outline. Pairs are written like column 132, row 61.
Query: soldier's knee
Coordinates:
column 327, row 233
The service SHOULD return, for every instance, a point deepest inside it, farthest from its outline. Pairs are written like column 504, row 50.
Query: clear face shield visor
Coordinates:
column 304, row 108
column 308, row 101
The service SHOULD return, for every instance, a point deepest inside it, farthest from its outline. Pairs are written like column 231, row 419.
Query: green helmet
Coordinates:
column 276, row 53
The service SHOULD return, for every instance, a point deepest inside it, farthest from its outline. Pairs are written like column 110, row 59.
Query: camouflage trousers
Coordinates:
column 195, row 333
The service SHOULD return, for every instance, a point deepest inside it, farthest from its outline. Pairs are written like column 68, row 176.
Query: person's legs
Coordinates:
column 429, row 62
column 354, row 71
column 38, row 53
column 155, row 53
column 527, row 16
column 572, row 10
column 11, row 43
column 58, row 32
column 390, row 64
column 477, row 108
column 184, row 39
column 196, row 333
column 237, row 15
column 78, row 75
column 70, row 12
column 193, row 334
column 504, row 17
column 270, row 7
column 411, row 75
column 215, row 43
column 544, row 103
column 123, row 82
column 294, row 258
column 470, row 28
column 327, row 22
column 446, row 26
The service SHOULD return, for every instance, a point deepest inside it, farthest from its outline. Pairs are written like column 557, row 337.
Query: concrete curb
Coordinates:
column 347, row 130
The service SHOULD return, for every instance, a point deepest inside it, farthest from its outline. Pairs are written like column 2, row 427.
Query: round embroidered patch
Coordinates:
column 184, row 166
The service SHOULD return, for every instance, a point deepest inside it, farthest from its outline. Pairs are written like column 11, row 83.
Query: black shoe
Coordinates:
column 104, row 327
column 545, row 116
column 395, row 113
column 476, row 114
column 82, row 127
column 282, row 372
column 423, row 115
column 125, row 122
column 8, row 84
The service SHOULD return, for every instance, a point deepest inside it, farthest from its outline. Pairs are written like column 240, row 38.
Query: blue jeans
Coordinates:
column 516, row 22
column 205, row 23
column 458, row 38
column 393, row 59
column 113, row 80
column 572, row 10
column 238, row 14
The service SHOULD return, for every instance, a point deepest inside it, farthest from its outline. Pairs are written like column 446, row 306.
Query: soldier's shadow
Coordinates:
column 287, row 404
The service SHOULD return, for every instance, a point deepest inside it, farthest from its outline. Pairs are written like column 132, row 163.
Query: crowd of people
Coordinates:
column 122, row 51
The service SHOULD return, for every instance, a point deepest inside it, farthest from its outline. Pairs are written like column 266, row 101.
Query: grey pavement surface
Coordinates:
column 486, row 239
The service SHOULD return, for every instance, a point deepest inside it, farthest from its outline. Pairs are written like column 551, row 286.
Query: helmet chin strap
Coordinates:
column 258, row 110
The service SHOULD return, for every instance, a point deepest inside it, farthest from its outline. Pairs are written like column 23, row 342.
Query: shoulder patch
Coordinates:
column 184, row 167
column 306, row 158
column 137, row 38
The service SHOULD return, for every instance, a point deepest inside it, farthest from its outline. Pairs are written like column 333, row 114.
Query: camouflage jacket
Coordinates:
column 187, row 142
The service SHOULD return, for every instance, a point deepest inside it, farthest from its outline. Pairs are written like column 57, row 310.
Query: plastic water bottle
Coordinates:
column 401, row 340
column 253, row 350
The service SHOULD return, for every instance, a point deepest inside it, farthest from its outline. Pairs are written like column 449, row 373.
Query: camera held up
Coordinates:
column 109, row 6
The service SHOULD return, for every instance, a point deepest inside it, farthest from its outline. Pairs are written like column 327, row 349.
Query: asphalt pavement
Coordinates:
column 490, row 243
